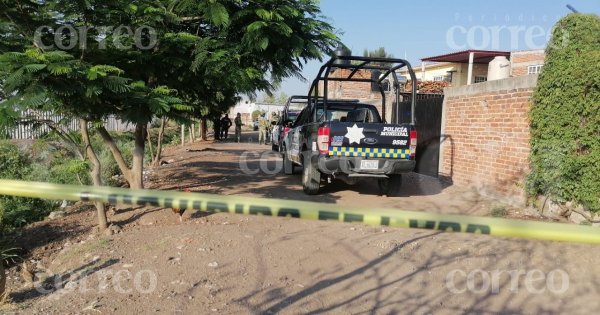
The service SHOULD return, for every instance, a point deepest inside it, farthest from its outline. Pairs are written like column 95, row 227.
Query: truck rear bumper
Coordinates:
column 351, row 165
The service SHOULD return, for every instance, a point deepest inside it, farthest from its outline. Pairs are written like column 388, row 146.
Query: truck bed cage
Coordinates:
column 304, row 99
column 355, row 63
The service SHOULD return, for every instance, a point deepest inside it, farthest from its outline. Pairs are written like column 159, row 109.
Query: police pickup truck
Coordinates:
column 350, row 140
column 286, row 119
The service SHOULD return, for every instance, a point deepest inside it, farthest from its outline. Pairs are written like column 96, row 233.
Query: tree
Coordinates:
column 268, row 99
column 379, row 52
column 280, row 98
column 565, row 115
column 191, row 58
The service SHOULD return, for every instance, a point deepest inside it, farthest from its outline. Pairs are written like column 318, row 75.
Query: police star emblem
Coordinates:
column 354, row 134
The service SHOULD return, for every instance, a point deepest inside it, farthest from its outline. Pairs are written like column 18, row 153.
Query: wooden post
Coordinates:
column 182, row 135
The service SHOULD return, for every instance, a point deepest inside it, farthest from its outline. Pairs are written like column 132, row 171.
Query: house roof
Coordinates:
column 479, row 56
column 428, row 66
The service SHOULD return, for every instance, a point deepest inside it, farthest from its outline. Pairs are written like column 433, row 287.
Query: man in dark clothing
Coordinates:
column 217, row 127
column 225, row 125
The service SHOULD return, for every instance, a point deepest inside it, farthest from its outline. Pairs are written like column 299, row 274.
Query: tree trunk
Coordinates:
column 193, row 132
column 116, row 153
column 95, row 172
column 137, row 167
column 161, row 135
column 204, row 127
column 200, row 130
column 149, row 142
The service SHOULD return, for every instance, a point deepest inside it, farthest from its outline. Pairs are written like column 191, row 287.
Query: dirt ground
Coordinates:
column 231, row 264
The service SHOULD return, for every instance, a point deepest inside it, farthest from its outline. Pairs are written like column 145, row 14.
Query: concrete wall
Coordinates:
column 434, row 70
column 485, row 136
column 246, row 109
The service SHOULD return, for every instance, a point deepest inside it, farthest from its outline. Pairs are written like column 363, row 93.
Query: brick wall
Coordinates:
column 352, row 90
column 358, row 90
column 485, row 136
column 521, row 60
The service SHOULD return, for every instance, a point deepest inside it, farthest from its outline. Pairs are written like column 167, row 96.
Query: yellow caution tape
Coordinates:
column 306, row 210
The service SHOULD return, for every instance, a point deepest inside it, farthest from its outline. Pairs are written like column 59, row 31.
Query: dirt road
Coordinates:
column 228, row 264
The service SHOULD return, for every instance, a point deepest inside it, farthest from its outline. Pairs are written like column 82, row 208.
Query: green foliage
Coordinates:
column 565, row 117
column 499, row 211
column 280, row 99
column 255, row 114
column 17, row 211
column 52, row 162
column 14, row 164
column 208, row 53
column 8, row 255
column 379, row 52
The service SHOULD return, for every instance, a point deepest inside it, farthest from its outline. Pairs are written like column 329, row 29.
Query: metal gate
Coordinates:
column 428, row 117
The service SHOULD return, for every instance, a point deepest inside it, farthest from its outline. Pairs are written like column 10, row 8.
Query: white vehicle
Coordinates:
column 286, row 120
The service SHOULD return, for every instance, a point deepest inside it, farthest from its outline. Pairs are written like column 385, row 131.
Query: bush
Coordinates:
column 17, row 211
column 52, row 162
column 14, row 164
column 565, row 116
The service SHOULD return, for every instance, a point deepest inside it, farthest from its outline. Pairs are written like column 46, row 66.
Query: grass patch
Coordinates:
column 499, row 212
column 162, row 244
column 90, row 247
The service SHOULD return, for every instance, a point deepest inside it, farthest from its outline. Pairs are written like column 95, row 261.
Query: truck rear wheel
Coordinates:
column 311, row 178
column 390, row 186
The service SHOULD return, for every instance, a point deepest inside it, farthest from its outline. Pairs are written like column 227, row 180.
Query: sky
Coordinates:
column 418, row 29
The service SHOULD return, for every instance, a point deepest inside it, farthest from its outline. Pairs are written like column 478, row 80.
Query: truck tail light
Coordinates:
column 323, row 140
column 413, row 143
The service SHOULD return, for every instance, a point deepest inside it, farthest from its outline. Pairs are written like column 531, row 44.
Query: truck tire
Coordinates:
column 288, row 166
column 390, row 186
column 311, row 178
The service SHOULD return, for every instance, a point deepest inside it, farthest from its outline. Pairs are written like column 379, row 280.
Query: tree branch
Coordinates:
column 116, row 153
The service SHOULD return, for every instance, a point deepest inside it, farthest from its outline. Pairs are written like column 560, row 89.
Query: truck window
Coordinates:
column 351, row 114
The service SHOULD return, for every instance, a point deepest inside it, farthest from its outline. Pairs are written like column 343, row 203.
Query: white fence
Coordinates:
column 35, row 127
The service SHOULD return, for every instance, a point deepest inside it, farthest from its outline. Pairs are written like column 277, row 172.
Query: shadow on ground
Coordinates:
column 413, row 279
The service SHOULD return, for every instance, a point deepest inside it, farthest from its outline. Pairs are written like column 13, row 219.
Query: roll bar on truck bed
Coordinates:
column 355, row 63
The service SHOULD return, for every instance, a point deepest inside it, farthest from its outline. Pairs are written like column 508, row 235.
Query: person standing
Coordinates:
column 263, row 126
column 238, row 127
column 272, row 123
column 225, row 125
